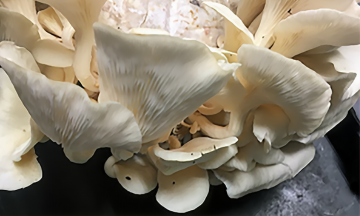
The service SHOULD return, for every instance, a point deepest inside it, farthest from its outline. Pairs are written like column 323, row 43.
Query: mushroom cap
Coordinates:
column 157, row 77
column 194, row 149
column 136, row 174
column 183, row 191
column 271, row 78
column 63, row 109
column 310, row 29
column 239, row 183
column 18, row 133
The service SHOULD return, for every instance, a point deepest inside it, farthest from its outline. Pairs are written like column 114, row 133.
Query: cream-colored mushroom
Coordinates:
column 136, row 174
column 277, row 10
column 18, row 133
column 193, row 75
column 341, row 71
column 239, row 183
column 206, row 152
column 183, row 191
column 310, row 29
column 270, row 78
column 81, row 117
column 81, row 14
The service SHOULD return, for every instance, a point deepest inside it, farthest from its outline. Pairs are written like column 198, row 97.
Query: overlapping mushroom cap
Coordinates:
column 19, row 132
column 242, row 110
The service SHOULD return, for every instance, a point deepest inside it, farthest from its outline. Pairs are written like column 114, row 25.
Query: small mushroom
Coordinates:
column 239, row 183
column 202, row 150
column 183, row 191
column 136, row 174
column 194, row 149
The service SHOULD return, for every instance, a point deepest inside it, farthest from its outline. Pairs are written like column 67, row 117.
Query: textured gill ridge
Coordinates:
column 274, row 12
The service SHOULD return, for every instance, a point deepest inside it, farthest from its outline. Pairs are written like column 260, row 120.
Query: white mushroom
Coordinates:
column 277, row 10
column 136, row 174
column 341, row 71
column 81, row 116
column 18, row 133
column 206, row 152
column 270, row 78
column 239, row 183
column 194, row 149
column 170, row 83
column 81, row 14
column 310, row 29
column 183, row 191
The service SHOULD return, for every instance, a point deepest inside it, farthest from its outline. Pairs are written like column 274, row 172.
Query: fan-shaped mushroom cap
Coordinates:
column 206, row 152
column 222, row 156
column 194, row 149
column 63, row 109
column 341, row 70
column 277, row 10
column 271, row 78
column 157, row 77
column 183, row 191
column 136, row 174
column 18, row 133
column 310, row 29
column 239, row 183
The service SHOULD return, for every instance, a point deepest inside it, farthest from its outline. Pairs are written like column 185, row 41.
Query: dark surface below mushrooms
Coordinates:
column 71, row 189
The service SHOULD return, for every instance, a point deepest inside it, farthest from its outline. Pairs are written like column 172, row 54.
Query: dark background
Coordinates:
column 322, row 188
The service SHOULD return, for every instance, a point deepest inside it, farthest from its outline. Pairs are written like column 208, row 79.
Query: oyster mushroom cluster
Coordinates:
column 186, row 94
